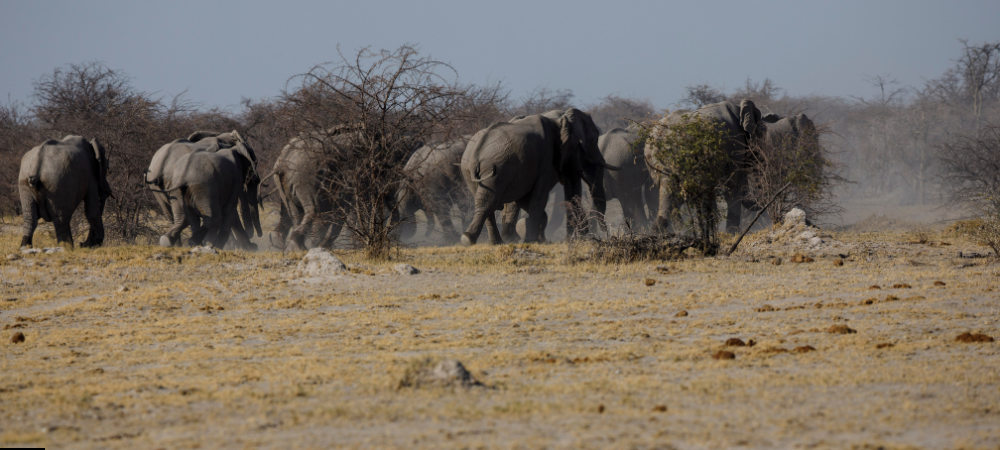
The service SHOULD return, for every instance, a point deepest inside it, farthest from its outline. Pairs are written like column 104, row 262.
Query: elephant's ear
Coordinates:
column 237, row 137
column 247, row 153
column 199, row 135
column 570, row 137
column 771, row 118
column 750, row 120
column 102, row 168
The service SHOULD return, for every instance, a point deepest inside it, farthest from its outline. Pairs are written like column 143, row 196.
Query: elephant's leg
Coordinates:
column 92, row 210
column 734, row 213
column 576, row 225
column 280, row 232
column 297, row 237
column 429, row 231
column 239, row 233
column 537, row 218
column 193, row 215
column 447, row 226
column 471, row 234
column 493, row 231
column 331, row 234
column 180, row 222
column 558, row 216
column 508, row 221
column 64, row 235
column 29, row 211
column 664, row 211
column 181, row 219
column 229, row 224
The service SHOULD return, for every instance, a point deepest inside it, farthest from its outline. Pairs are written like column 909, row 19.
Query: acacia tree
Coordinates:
column 392, row 102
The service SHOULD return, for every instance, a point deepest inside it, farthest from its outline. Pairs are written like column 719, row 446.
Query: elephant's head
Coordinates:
column 250, row 203
column 104, row 189
column 750, row 121
column 580, row 157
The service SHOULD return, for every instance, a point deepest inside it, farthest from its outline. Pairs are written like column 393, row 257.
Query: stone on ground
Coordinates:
column 405, row 269
column 319, row 262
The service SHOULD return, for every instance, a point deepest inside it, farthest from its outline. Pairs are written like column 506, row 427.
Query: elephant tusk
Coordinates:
column 610, row 167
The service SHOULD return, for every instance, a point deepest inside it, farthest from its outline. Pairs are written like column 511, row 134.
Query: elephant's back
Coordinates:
column 163, row 162
column 58, row 167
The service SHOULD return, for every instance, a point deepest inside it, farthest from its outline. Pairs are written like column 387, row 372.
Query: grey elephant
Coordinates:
column 435, row 186
column 631, row 185
column 743, row 128
column 54, row 178
column 305, row 204
column 592, row 174
column 211, row 184
column 160, row 173
column 521, row 161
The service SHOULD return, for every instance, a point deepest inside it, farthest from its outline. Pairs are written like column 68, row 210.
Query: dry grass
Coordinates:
column 229, row 351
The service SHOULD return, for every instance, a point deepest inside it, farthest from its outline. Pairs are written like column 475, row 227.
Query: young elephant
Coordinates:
column 54, row 178
column 211, row 185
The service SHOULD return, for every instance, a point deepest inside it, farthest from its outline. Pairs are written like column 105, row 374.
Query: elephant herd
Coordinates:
column 201, row 181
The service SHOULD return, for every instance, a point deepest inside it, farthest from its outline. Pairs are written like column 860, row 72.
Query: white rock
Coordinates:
column 122, row 289
column 807, row 235
column 31, row 251
column 815, row 241
column 13, row 257
column 320, row 262
column 54, row 250
column 405, row 269
column 795, row 217
column 208, row 250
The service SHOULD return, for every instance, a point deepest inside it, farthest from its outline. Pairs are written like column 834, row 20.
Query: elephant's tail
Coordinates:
column 34, row 185
column 165, row 191
column 483, row 177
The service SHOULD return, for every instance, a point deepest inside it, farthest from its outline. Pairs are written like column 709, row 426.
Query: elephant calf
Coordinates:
column 54, row 178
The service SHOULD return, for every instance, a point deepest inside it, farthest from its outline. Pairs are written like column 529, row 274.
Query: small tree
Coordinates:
column 971, row 173
column 692, row 163
column 790, row 170
column 392, row 101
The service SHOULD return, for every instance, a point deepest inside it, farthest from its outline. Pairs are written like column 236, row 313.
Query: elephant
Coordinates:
column 631, row 185
column 521, row 161
column 160, row 172
column 210, row 185
column 595, row 184
column 743, row 129
column 435, row 185
column 54, row 178
column 299, row 172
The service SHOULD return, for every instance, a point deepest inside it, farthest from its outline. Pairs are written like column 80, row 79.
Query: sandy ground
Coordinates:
column 237, row 351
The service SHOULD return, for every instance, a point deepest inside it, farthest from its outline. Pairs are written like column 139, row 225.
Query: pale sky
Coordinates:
column 222, row 51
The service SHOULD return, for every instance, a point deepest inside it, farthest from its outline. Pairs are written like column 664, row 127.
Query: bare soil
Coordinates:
column 143, row 347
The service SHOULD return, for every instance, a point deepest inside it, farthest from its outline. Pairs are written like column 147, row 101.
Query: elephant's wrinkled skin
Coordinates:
column 211, row 184
column 54, row 178
column 435, row 185
column 159, row 176
column 521, row 161
column 743, row 128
